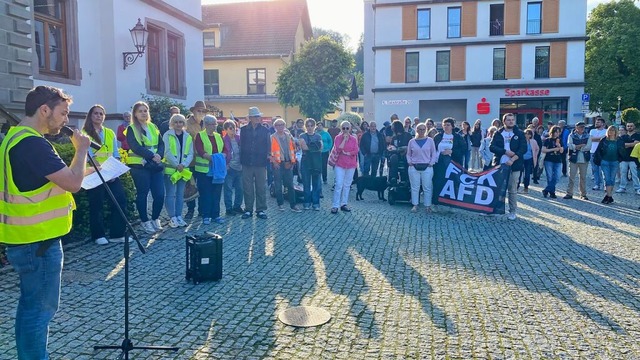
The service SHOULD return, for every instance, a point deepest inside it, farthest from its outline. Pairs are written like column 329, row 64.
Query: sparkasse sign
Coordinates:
column 526, row 92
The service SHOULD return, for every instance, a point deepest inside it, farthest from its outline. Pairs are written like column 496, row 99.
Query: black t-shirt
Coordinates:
column 32, row 159
column 554, row 157
column 627, row 151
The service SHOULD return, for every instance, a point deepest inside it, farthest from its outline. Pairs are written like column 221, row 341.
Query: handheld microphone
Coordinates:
column 69, row 132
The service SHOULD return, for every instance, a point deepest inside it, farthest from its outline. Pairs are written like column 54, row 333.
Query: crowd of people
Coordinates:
column 240, row 163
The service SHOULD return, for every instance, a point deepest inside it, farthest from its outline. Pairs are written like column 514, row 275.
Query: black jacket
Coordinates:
column 459, row 146
column 365, row 143
column 518, row 145
column 255, row 145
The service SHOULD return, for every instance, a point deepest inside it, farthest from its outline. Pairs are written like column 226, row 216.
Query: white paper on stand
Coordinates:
column 111, row 169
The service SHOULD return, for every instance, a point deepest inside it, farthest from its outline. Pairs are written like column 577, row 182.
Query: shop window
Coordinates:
column 442, row 65
column 499, row 64
column 412, row 71
column 534, row 17
column 542, row 62
column 496, row 19
column 256, row 81
column 424, row 24
column 209, row 39
column 453, row 22
column 357, row 109
column 55, row 39
column 211, row 82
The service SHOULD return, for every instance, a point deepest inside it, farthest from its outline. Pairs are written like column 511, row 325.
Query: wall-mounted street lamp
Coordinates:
column 139, row 36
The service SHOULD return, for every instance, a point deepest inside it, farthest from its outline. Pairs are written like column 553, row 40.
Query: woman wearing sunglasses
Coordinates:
column 346, row 147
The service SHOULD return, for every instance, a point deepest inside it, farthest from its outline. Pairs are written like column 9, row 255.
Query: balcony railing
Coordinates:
column 496, row 27
column 533, row 26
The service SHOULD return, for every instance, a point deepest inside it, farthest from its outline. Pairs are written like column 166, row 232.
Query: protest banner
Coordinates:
column 482, row 192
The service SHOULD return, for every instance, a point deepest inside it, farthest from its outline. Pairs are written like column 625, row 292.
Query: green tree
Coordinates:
column 159, row 108
column 340, row 38
column 359, row 55
column 612, row 64
column 360, row 82
column 317, row 77
column 631, row 115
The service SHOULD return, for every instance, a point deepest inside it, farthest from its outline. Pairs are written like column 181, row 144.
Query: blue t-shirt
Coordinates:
column 529, row 154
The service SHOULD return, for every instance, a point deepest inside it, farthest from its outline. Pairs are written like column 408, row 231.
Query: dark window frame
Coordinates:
column 48, row 21
column 173, row 66
column 154, row 60
column 534, row 26
column 542, row 63
column 448, row 78
column 168, row 54
column 497, row 67
column 212, row 39
column 457, row 26
column 496, row 20
column 212, row 88
column 427, row 26
column 260, row 89
column 406, row 67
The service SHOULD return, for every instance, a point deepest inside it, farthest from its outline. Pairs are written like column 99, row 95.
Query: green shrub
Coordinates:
column 81, row 215
column 631, row 115
column 353, row 118
column 159, row 108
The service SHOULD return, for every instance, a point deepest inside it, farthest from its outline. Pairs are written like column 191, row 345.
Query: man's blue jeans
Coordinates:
column 596, row 171
column 39, row 296
column 371, row 163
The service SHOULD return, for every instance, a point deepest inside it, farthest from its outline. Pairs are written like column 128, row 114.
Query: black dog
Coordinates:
column 375, row 183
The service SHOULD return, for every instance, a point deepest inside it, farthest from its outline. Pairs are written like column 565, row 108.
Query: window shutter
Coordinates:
column 558, row 60
column 512, row 17
column 409, row 22
column 458, row 63
column 397, row 65
column 514, row 61
column 550, row 13
column 469, row 19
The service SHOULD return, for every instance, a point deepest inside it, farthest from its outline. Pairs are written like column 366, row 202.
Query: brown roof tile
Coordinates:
column 256, row 29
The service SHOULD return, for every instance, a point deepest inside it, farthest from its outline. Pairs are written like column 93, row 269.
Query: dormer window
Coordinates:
column 209, row 39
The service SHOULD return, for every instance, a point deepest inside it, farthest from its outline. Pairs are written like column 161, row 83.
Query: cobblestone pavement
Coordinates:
column 561, row 282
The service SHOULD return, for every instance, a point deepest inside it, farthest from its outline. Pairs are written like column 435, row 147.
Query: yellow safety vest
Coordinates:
column 187, row 146
column 31, row 216
column 202, row 164
column 106, row 151
column 135, row 159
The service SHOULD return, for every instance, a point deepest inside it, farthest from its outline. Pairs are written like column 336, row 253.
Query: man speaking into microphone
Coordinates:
column 36, row 211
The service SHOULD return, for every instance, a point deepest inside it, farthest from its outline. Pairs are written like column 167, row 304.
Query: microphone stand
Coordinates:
column 127, row 344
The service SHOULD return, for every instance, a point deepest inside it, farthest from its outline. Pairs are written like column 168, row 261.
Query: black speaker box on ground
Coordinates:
column 204, row 257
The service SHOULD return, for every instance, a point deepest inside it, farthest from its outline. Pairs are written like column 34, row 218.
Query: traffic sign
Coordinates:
column 586, row 98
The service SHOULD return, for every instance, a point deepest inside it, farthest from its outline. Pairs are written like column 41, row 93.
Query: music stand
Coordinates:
column 127, row 344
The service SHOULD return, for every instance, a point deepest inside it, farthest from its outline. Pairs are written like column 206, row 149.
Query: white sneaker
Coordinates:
column 181, row 221
column 148, row 227
column 120, row 240
column 156, row 225
column 511, row 216
column 638, row 192
column 173, row 223
column 102, row 241
column 621, row 190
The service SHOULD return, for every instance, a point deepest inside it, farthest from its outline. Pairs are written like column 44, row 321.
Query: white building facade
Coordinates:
column 475, row 59
column 78, row 45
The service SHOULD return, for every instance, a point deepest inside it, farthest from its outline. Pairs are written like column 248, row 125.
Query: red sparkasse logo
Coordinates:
column 483, row 107
column 526, row 92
